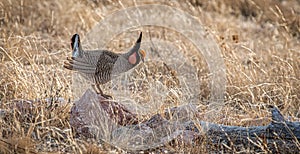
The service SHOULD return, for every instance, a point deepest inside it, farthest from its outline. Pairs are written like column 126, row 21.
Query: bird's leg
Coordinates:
column 99, row 91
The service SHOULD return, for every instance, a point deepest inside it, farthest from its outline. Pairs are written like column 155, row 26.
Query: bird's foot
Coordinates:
column 100, row 92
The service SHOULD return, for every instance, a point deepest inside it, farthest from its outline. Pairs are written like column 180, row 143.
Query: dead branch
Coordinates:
column 280, row 136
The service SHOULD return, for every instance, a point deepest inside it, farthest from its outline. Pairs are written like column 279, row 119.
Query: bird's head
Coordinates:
column 142, row 54
column 135, row 55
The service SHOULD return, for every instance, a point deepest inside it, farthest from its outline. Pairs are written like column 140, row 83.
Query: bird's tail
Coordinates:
column 80, row 65
column 85, row 63
column 76, row 46
column 79, row 62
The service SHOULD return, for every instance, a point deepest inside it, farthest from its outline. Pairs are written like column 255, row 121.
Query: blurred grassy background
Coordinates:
column 259, row 42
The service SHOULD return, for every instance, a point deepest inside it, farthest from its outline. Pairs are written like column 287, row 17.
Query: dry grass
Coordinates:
column 259, row 42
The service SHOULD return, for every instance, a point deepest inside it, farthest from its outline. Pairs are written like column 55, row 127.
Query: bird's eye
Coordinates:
column 143, row 53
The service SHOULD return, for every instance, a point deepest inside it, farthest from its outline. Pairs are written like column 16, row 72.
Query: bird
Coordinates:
column 101, row 66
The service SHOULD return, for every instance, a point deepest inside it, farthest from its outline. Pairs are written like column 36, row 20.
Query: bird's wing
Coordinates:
column 105, row 66
column 92, row 63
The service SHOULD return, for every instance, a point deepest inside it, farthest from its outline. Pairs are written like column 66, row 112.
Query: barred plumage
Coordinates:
column 100, row 66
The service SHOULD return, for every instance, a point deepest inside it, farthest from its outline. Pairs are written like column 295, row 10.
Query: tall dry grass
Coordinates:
column 259, row 42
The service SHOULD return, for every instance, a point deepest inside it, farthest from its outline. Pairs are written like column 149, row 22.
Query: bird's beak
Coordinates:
column 143, row 53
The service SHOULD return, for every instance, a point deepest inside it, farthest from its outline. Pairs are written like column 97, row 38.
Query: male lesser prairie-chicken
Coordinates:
column 100, row 66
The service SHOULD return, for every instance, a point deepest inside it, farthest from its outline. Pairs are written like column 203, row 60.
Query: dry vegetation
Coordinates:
column 259, row 42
